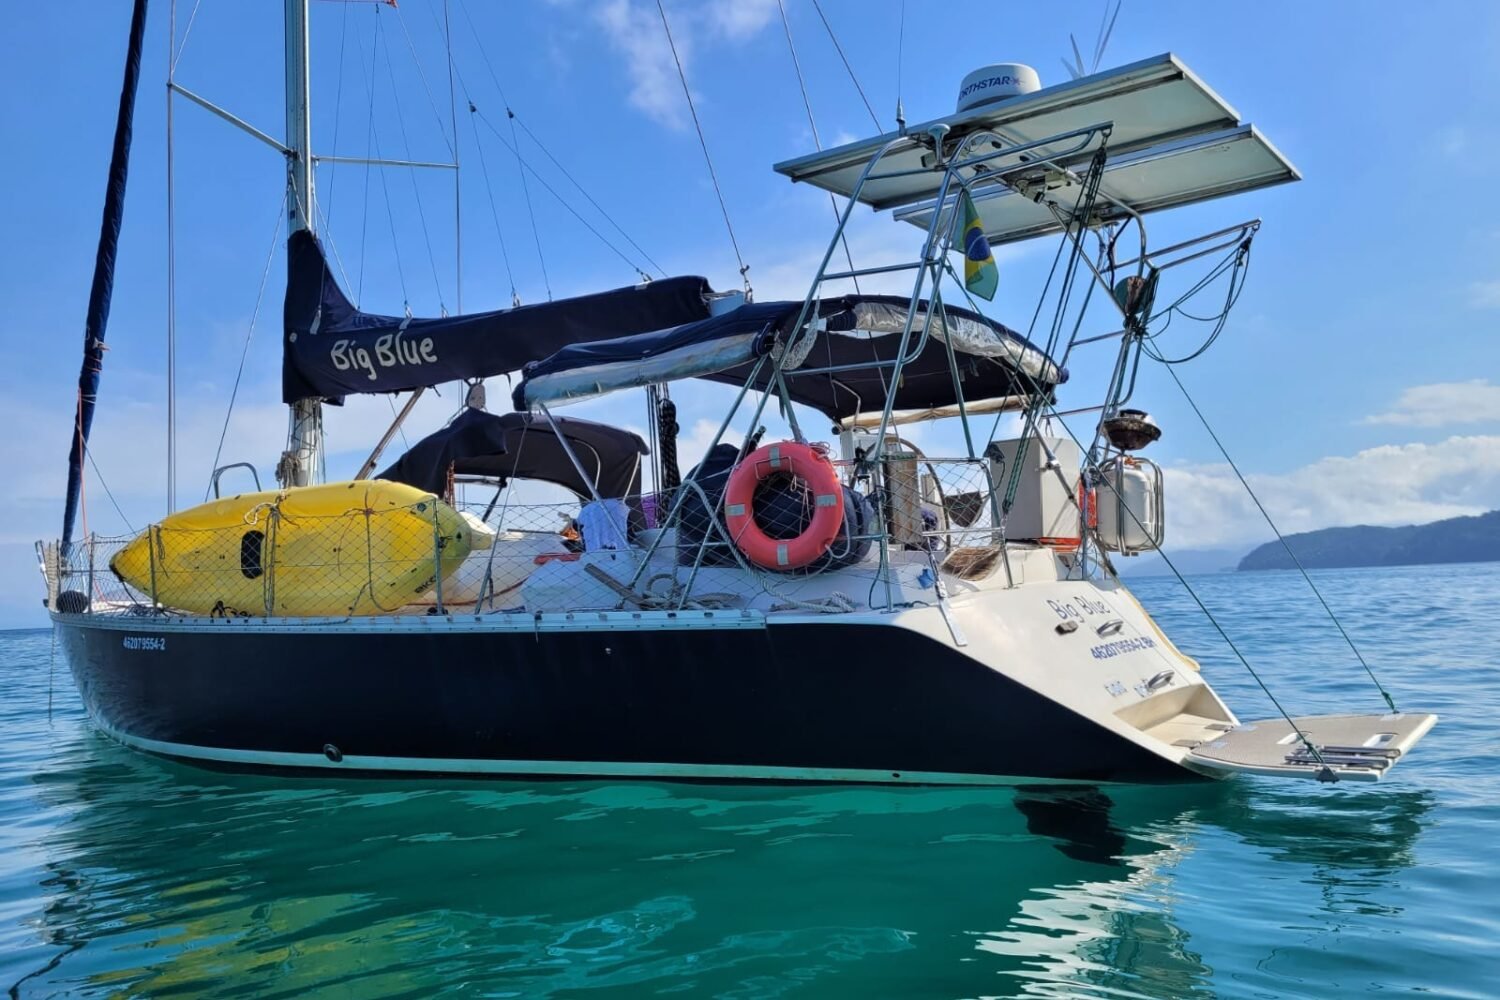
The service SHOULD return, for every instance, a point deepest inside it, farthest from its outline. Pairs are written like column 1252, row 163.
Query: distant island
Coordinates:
column 1456, row 540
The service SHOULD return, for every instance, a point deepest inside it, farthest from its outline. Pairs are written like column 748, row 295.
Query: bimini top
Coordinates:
column 842, row 369
column 523, row 446
column 331, row 349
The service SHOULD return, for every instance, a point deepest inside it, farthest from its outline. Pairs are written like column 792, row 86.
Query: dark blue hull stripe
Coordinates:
column 804, row 701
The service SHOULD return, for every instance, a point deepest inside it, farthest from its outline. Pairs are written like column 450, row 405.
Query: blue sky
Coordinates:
column 1357, row 381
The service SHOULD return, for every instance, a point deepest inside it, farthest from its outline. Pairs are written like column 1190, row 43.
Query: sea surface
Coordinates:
column 123, row 875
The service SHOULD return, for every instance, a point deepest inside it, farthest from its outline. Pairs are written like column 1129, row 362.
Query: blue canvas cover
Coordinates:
column 331, row 349
column 859, row 335
column 581, row 370
column 509, row 446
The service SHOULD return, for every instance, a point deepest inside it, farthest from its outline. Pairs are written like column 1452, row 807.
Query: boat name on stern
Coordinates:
column 1078, row 608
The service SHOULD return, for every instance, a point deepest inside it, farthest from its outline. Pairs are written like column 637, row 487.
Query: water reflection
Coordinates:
column 165, row 879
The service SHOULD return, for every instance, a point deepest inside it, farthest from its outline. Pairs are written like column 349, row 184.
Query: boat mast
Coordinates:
column 302, row 462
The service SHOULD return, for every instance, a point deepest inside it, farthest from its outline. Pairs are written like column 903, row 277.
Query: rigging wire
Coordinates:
column 400, row 429
column 332, row 244
column 1390, row 702
column 874, row 118
column 171, row 272
column 515, row 298
column 426, row 88
column 458, row 215
column 249, row 333
column 553, row 191
column 515, row 147
column 390, row 218
column 385, row 189
column 833, row 201
column 697, row 125
column 369, row 141
column 338, row 107
column 1239, row 258
column 100, row 476
column 182, row 46
column 373, row 146
column 590, row 198
column 1312, row 747
column 411, row 172
column 536, row 234
column 1054, row 415
column 517, row 120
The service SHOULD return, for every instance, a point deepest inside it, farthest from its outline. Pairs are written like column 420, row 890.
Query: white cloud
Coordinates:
column 693, row 442
column 1484, row 294
column 737, row 19
column 128, row 444
column 635, row 31
column 1443, row 404
column 1388, row 485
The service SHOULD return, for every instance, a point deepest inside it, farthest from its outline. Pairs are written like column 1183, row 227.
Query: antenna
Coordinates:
column 1077, row 68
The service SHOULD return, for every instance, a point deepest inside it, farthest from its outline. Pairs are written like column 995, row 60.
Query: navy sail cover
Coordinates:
column 97, row 321
column 843, row 368
column 331, row 349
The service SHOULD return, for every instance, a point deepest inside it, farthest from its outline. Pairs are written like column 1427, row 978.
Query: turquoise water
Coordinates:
column 122, row 875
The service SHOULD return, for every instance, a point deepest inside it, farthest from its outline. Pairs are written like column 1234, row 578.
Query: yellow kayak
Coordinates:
column 353, row 548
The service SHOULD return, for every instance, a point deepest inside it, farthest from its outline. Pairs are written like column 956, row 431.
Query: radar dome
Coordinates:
column 1000, row 82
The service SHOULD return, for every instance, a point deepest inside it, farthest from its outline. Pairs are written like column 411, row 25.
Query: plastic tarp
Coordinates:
column 524, row 446
column 858, row 335
column 331, row 349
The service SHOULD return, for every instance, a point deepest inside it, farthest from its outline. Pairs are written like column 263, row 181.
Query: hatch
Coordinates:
column 1352, row 747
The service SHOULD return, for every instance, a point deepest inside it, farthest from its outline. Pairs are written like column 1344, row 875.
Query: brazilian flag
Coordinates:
column 980, row 274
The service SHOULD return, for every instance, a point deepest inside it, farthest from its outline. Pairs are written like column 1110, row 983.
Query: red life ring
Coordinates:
column 815, row 470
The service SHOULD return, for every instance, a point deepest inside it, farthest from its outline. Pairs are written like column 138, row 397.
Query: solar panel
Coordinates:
column 1164, row 176
column 1158, row 111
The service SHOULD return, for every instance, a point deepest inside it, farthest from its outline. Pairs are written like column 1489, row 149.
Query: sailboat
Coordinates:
column 854, row 610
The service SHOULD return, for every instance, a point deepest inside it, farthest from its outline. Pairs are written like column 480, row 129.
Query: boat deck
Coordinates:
column 1349, row 747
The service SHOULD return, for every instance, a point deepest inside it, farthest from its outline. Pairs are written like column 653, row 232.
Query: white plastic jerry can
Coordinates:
column 1132, row 517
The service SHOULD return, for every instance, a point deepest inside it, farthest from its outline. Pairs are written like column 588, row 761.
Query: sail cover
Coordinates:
column 331, row 349
column 524, row 446
column 690, row 351
column 100, row 294
column 843, row 369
